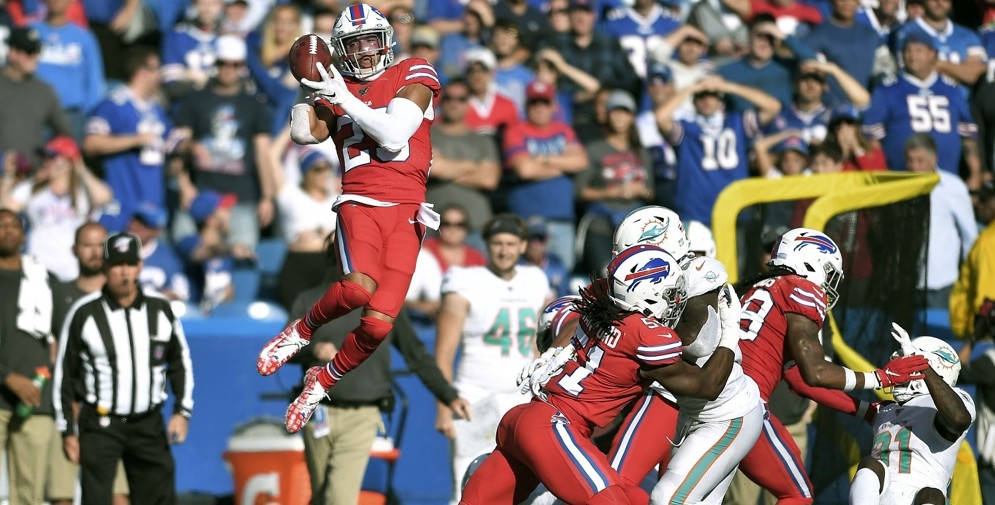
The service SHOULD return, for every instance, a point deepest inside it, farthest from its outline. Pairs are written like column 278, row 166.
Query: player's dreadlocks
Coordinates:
column 597, row 309
column 772, row 271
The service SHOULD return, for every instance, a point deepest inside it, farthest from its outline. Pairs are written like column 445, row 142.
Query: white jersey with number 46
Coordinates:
column 913, row 452
column 499, row 332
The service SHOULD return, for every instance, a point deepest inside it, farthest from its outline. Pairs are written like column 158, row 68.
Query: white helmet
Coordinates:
column 551, row 320
column 812, row 255
column 942, row 359
column 648, row 280
column 356, row 20
column 701, row 239
column 653, row 225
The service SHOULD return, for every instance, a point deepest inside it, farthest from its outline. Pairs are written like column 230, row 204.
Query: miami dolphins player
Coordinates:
column 918, row 436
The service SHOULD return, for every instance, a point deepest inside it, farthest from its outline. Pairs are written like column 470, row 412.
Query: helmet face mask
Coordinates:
column 362, row 32
column 656, row 226
column 650, row 281
column 812, row 255
column 942, row 359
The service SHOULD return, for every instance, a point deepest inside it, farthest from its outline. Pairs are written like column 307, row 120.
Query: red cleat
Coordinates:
column 299, row 412
column 280, row 349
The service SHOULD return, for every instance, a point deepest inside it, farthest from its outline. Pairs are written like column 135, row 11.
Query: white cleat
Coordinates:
column 280, row 349
column 299, row 412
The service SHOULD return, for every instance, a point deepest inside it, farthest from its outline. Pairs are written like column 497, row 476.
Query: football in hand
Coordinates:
column 305, row 53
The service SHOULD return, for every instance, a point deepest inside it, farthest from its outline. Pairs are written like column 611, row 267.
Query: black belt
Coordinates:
column 130, row 418
column 382, row 403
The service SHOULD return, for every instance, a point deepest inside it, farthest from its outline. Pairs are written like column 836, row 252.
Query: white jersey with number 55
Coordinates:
column 913, row 452
column 499, row 332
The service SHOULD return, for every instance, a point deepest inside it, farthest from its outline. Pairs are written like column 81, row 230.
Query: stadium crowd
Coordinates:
column 169, row 119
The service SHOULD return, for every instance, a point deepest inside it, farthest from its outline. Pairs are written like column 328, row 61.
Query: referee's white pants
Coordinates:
column 703, row 464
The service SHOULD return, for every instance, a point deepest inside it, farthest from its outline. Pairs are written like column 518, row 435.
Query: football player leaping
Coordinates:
column 379, row 117
column 917, row 437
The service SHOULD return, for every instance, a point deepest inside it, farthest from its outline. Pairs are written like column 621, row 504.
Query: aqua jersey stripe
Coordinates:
column 705, row 463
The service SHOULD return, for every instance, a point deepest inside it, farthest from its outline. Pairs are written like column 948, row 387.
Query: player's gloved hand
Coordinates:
column 332, row 86
column 903, row 339
column 901, row 370
column 524, row 381
column 729, row 310
column 556, row 362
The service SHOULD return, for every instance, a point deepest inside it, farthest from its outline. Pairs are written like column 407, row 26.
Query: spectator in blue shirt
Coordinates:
column 922, row 101
column 712, row 146
column 188, row 51
column 847, row 43
column 639, row 28
column 510, row 76
column 808, row 111
column 454, row 46
column 961, row 56
column 71, row 63
column 162, row 270
column 762, row 68
column 132, row 135
column 537, row 254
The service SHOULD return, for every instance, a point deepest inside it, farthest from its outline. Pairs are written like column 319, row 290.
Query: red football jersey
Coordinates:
column 604, row 376
column 371, row 171
column 765, row 325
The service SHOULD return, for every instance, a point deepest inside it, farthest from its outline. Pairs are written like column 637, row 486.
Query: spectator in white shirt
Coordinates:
column 952, row 228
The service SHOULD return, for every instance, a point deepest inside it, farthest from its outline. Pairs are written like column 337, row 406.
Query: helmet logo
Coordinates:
column 655, row 231
column 946, row 356
column 822, row 243
column 655, row 271
column 357, row 15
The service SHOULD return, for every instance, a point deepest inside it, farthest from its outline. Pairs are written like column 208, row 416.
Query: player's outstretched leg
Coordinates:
column 358, row 346
column 868, row 483
column 341, row 298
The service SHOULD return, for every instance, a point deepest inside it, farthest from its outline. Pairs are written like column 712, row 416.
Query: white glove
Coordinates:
column 729, row 315
column 524, row 381
column 331, row 87
column 903, row 339
column 556, row 362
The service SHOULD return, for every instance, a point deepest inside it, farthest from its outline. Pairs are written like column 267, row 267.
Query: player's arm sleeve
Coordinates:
column 419, row 361
column 876, row 114
column 832, row 398
column 394, row 127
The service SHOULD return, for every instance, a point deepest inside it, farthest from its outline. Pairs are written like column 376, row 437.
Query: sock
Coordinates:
column 358, row 346
column 341, row 298
column 865, row 488
column 611, row 495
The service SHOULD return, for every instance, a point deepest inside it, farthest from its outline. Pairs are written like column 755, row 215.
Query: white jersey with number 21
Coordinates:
column 914, row 454
column 499, row 332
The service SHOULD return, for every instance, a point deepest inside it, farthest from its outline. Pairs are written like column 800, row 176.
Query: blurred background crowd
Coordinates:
column 169, row 119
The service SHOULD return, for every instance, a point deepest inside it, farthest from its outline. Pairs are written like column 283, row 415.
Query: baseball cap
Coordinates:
column 817, row 76
column 62, row 145
column 208, row 202
column 656, row 70
column 581, row 4
column 537, row 227
column 845, row 112
column 230, row 48
column 538, row 90
column 481, row 55
column 920, row 38
column 27, row 40
column 311, row 157
column 424, row 36
column 505, row 223
column 121, row 248
column 797, row 144
column 151, row 215
column 619, row 99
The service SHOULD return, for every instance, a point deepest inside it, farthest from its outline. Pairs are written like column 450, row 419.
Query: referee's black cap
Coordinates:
column 121, row 248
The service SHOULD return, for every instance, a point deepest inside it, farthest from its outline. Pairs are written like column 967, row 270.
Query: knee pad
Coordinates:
column 354, row 296
column 611, row 495
column 372, row 332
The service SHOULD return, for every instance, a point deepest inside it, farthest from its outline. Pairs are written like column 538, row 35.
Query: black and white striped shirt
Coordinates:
column 122, row 357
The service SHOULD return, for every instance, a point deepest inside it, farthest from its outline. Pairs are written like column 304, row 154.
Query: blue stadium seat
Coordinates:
column 246, row 282
column 270, row 254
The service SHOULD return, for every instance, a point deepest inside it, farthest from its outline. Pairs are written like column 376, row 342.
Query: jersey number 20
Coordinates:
column 359, row 149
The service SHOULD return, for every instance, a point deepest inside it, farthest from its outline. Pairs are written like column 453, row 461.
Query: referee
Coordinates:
column 123, row 345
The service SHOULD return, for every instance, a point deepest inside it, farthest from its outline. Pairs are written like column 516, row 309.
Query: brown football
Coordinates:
column 306, row 51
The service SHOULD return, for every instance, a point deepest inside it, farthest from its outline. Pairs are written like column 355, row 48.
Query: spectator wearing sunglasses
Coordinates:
column 439, row 254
